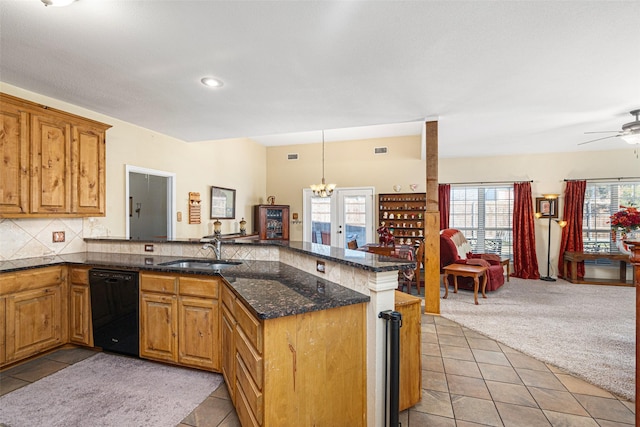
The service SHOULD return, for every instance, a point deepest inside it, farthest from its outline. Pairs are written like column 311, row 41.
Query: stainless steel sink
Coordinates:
column 203, row 264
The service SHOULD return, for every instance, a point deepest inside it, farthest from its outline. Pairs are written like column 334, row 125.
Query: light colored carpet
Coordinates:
column 109, row 390
column 587, row 330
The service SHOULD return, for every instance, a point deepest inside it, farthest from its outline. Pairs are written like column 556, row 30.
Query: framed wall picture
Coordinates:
column 547, row 207
column 223, row 203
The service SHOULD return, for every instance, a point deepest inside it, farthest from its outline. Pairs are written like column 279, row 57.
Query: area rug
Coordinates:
column 109, row 390
column 587, row 330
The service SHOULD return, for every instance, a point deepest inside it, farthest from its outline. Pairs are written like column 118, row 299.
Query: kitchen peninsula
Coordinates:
column 278, row 288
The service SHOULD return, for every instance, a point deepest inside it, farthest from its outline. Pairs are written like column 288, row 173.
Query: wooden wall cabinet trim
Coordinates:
column 54, row 162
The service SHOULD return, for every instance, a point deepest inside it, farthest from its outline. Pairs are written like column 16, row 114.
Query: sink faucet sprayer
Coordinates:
column 216, row 248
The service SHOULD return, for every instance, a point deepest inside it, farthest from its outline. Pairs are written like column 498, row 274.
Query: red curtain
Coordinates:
column 525, row 261
column 572, row 232
column 444, row 199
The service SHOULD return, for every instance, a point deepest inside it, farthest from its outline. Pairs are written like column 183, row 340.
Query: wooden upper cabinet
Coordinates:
column 14, row 167
column 50, row 164
column 88, row 170
column 53, row 162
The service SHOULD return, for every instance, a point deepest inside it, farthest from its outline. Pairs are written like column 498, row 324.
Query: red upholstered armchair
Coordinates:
column 454, row 248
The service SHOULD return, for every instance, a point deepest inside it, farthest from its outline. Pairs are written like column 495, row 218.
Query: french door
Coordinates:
column 345, row 216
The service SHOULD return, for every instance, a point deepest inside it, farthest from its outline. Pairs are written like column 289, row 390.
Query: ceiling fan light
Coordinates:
column 57, row 3
column 632, row 138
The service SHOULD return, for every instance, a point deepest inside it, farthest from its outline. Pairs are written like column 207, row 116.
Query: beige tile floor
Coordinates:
column 468, row 380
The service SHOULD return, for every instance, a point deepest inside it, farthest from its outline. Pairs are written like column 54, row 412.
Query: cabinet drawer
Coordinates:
column 252, row 360
column 158, row 283
column 228, row 299
column 31, row 279
column 246, row 417
column 249, row 388
column 79, row 276
column 198, row 287
column 250, row 325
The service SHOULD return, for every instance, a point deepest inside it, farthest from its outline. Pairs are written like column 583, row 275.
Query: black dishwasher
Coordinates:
column 114, row 310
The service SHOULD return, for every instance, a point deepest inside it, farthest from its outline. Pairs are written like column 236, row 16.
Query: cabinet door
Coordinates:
column 158, row 326
column 88, row 170
column 80, row 315
column 51, row 164
column 199, row 333
column 14, row 168
column 228, row 351
column 35, row 321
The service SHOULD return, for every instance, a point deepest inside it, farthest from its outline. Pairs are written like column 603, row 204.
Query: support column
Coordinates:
column 382, row 287
column 432, row 224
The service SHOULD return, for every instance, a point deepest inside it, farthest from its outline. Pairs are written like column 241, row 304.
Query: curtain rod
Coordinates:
column 603, row 179
column 484, row 182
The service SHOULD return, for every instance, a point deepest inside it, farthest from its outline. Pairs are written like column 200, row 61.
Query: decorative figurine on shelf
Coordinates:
column 271, row 200
column 217, row 227
column 386, row 238
column 243, row 227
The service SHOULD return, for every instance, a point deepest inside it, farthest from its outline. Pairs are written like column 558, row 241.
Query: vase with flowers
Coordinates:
column 625, row 225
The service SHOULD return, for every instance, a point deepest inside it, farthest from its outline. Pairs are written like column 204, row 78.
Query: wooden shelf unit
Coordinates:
column 403, row 214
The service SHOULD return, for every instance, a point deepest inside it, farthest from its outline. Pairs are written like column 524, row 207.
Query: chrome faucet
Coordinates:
column 216, row 246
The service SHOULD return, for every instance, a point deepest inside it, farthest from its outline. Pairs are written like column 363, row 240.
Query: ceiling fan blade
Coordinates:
column 599, row 139
column 604, row 131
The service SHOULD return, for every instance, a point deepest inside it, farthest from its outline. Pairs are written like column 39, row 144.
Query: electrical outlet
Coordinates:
column 148, row 248
column 58, row 236
column 320, row 266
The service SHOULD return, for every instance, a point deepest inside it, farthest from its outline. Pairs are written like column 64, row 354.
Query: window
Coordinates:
column 484, row 215
column 601, row 200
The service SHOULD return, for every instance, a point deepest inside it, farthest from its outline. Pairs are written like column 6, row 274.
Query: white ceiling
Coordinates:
column 502, row 77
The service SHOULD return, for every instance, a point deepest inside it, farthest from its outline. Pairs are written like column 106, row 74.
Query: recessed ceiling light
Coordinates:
column 57, row 3
column 211, row 82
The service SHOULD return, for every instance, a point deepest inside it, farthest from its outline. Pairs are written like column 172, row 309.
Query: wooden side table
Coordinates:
column 464, row 270
column 505, row 263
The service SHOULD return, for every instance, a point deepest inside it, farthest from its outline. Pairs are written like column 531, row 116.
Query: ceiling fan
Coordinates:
column 630, row 132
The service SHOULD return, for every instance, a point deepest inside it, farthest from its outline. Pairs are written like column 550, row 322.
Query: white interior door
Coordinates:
column 346, row 215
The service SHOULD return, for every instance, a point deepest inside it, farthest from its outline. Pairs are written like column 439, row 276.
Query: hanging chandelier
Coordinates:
column 323, row 189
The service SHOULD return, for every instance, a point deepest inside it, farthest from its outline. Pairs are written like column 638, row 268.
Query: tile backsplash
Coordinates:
column 26, row 238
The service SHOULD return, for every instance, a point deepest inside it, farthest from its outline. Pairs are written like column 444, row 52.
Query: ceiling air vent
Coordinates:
column 380, row 150
column 293, row 156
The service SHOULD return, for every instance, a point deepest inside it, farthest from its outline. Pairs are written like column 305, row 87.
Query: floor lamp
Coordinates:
column 547, row 207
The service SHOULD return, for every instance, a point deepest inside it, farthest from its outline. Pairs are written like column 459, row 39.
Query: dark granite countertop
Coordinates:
column 270, row 289
column 354, row 258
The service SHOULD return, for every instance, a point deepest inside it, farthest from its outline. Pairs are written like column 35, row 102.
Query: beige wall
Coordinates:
column 236, row 163
column 347, row 164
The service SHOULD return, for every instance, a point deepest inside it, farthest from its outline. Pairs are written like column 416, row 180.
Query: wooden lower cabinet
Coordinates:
column 179, row 319
column 228, row 340
column 301, row 370
column 3, row 354
column 35, row 311
column 159, row 326
column 80, row 327
column 198, row 335
column 410, row 349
